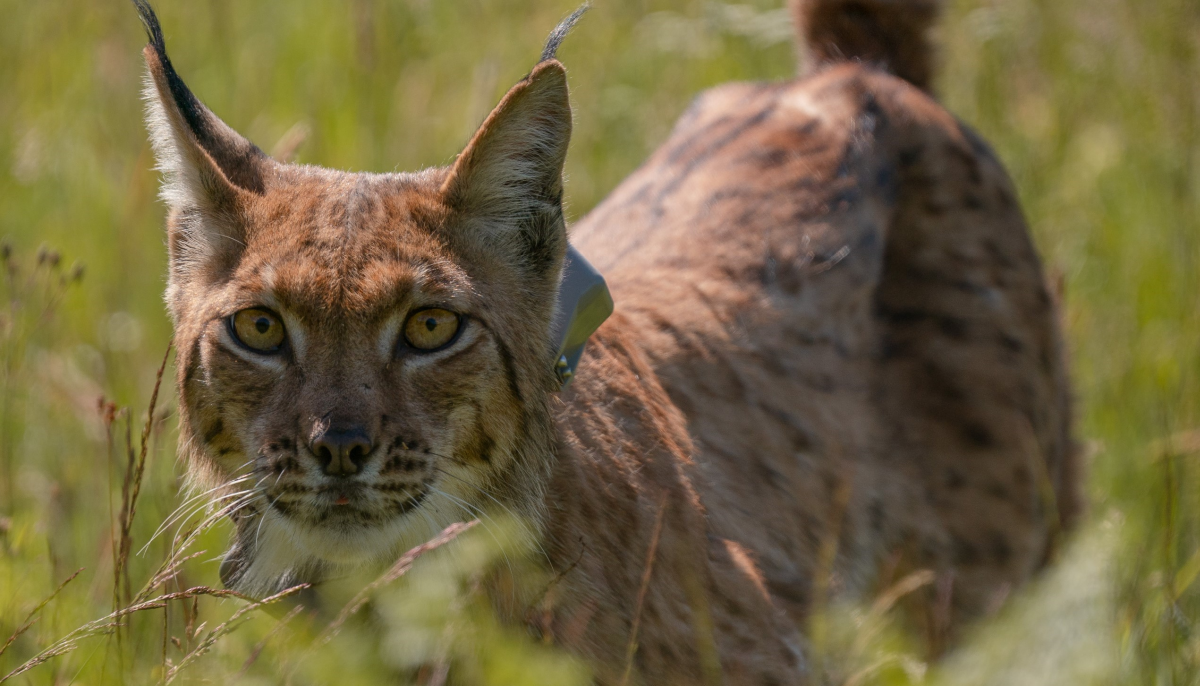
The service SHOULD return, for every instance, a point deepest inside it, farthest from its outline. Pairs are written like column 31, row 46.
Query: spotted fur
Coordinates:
column 834, row 358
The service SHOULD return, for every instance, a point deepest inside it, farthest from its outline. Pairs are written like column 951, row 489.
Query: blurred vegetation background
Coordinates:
column 1092, row 104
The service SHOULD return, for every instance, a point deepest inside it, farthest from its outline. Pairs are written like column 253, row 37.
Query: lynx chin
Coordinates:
column 832, row 333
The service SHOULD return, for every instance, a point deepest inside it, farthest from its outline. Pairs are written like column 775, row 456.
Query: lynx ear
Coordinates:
column 506, row 186
column 205, row 164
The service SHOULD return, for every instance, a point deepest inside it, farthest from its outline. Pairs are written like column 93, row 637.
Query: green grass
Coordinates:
column 1094, row 105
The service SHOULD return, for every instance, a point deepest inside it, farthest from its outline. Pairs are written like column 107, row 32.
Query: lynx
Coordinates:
column 833, row 355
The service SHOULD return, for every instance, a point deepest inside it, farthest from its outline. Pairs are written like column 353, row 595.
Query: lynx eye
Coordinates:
column 257, row 329
column 430, row 329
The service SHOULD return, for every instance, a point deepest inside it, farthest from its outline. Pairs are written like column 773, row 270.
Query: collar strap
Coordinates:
column 583, row 304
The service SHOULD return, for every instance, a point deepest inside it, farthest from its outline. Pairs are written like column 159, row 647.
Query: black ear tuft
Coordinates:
column 560, row 32
column 207, row 167
column 153, row 28
column 237, row 158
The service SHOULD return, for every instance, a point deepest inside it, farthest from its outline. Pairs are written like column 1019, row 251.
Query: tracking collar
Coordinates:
column 583, row 304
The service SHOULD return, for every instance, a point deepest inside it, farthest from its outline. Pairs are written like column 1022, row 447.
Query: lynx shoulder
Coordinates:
column 833, row 355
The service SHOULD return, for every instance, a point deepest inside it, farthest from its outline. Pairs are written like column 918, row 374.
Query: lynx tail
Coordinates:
column 890, row 34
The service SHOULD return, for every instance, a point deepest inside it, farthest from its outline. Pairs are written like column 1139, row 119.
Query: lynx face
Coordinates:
column 354, row 368
column 362, row 358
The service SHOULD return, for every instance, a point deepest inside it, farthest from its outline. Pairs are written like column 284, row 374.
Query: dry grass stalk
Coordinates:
column 285, row 149
column 651, row 552
column 870, row 626
column 110, row 622
column 227, row 627
column 396, row 571
column 165, row 573
column 32, row 616
column 131, row 488
column 261, row 645
column 110, row 414
column 1177, row 445
column 909, row 584
column 866, row 674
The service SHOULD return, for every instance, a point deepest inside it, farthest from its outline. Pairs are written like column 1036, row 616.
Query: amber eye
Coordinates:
column 258, row 329
column 430, row 329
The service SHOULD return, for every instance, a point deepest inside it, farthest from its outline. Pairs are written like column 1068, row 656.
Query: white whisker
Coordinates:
column 520, row 520
column 473, row 511
column 184, row 512
column 263, row 518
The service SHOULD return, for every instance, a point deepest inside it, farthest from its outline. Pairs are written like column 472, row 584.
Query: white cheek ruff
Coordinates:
column 284, row 547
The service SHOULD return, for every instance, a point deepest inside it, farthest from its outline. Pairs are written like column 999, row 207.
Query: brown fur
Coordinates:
column 833, row 354
column 870, row 357
column 891, row 34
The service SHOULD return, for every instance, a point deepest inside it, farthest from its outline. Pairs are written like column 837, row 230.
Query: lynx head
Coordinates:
column 362, row 358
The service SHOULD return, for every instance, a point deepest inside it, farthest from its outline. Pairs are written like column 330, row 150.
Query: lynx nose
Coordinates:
column 342, row 453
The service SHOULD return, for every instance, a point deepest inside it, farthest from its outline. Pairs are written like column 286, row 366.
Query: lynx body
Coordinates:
column 833, row 355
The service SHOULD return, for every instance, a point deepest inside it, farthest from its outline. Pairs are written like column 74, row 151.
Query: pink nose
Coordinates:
column 341, row 453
